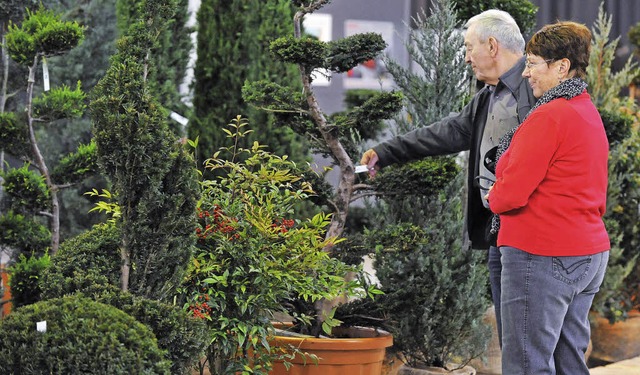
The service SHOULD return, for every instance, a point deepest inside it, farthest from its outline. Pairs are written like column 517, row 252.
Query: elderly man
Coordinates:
column 495, row 51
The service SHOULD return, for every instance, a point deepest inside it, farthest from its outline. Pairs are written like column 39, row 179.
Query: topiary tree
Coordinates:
column 152, row 175
column 41, row 35
column 335, row 136
column 25, row 279
column 82, row 336
column 170, row 55
column 89, row 265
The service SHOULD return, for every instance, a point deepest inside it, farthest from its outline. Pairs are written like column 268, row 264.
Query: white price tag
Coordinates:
column 179, row 118
column 361, row 168
column 45, row 74
column 41, row 326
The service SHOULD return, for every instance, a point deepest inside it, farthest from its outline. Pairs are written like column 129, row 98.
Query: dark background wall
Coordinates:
column 624, row 13
column 396, row 11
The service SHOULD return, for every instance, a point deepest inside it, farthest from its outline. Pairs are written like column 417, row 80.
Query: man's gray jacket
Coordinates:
column 456, row 133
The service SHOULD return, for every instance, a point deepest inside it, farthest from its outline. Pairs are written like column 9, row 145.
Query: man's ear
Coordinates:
column 493, row 46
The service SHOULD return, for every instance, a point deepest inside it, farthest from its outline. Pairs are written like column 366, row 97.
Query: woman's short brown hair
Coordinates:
column 561, row 40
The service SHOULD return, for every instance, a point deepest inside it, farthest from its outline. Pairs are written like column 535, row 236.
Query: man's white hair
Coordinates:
column 500, row 25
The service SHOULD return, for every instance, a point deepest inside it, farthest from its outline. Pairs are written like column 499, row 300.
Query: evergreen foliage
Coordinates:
column 233, row 47
column 434, row 289
column 152, row 175
column 82, row 337
column 24, row 232
column 619, row 292
column 604, row 84
column 25, row 279
column 41, row 35
column 170, row 54
column 523, row 11
column 89, row 265
column 85, row 64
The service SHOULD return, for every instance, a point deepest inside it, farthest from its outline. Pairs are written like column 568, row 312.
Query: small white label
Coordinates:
column 45, row 74
column 41, row 326
column 179, row 118
column 361, row 168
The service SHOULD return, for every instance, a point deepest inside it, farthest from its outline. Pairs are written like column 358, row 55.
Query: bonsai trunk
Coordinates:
column 41, row 164
column 346, row 181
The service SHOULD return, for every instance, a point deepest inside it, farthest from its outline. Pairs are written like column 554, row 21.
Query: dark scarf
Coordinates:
column 566, row 89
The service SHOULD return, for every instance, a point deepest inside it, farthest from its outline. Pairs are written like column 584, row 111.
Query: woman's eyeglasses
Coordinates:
column 528, row 65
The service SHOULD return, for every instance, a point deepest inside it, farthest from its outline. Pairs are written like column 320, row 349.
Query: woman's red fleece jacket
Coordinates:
column 551, row 183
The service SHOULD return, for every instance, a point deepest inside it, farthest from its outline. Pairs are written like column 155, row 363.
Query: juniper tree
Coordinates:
column 619, row 289
column 170, row 55
column 418, row 227
column 151, row 174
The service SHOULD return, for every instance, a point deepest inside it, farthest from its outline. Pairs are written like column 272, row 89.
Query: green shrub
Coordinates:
column 89, row 260
column 434, row 298
column 90, row 264
column 27, row 189
column 82, row 337
column 617, row 125
column 26, row 234
column 14, row 135
column 181, row 335
column 25, row 277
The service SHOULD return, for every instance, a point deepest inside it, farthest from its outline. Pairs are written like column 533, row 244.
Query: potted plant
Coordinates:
column 254, row 259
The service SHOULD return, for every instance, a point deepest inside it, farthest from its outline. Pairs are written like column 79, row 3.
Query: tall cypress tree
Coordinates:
column 233, row 42
column 152, row 175
column 170, row 54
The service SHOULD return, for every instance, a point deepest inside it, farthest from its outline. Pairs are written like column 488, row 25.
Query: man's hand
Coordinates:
column 370, row 159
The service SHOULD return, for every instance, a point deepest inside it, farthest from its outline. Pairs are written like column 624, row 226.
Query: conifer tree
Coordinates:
column 170, row 55
column 233, row 47
column 87, row 64
column 619, row 291
column 151, row 174
column 35, row 192
column 420, row 233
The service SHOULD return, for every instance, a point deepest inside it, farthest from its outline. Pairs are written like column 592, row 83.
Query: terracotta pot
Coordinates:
column 362, row 353
column 615, row 342
column 406, row 370
column 5, row 308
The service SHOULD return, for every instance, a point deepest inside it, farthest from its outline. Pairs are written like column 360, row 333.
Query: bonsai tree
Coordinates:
column 332, row 136
column 152, row 176
column 33, row 190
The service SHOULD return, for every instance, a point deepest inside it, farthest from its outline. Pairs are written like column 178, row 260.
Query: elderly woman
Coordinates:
column 549, row 197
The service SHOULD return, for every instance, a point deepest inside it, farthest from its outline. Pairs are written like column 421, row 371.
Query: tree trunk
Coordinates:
column 41, row 164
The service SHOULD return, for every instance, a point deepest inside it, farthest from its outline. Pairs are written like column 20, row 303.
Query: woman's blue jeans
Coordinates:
column 545, row 311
